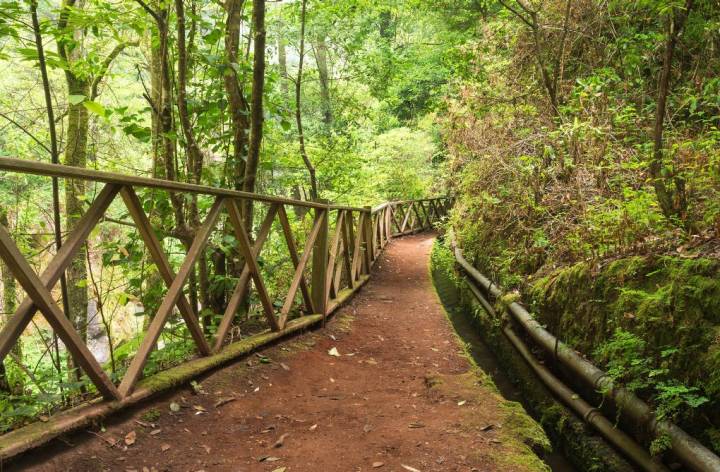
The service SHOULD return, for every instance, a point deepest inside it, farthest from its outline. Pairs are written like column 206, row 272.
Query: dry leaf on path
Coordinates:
column 281, row 440
column 407, row 467
column 165, row 447
column 377, row 465
column 334, row 352
column 224, row 401
column 130, row 438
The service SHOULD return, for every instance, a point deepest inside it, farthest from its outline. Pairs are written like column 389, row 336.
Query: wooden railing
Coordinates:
column 338, row 252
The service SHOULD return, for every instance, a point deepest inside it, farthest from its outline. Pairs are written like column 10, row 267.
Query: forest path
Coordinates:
column 401, row 396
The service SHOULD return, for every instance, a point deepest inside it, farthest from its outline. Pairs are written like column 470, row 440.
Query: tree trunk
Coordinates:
column 256, row 116
column 324, row 78
column 298, row 107
column 76, row 156
column 9, row 305
column 672, row 203
column 233, row 88
column 282, row 65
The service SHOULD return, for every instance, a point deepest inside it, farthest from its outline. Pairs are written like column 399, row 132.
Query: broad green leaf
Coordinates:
column 76, row 99
column 94, row 107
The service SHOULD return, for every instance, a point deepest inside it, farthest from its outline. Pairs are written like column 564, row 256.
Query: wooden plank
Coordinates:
column 56, row 170
column 241, row 287
column 358, row 256
column 171, row 297
column 334, row 246
column 246, row 251
column 292, row 250
column 298, row 276
column 406, row 218
column 397, row 212
column 244, row 245
column 369, row 240
column 320, row 262
column 419, row 218
column 347, row 243
column 132, row 202
column 44, row 301
column 50, row 276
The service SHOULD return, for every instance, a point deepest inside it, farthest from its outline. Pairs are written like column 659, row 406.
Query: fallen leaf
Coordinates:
column 334, row 352
column 268, row 459
column 377, row 465
column 199, row 408
column 280, row 469
column 416, row 424
column 284, row 366
column 130, row 438
column 407, row 467
column 174, row 407
column 155, row 431
column 462, row 402
column 313, row 427
column 224, row 401
column 165, row 447
column 281, row 440
column 367, row 428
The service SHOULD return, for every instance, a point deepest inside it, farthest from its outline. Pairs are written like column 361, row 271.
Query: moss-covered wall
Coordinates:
column 568, row 434
column 653, row 322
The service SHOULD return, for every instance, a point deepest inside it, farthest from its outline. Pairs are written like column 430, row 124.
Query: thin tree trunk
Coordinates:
column 666, row 197
column 256, row 113
column 9, row 305
column 55, row 159
column 324, row 79
column 236, row 100
column 298, row 107
column 282, row 65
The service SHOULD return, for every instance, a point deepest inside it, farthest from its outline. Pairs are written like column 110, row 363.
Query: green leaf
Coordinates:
column 94, row 107
column 76, row 99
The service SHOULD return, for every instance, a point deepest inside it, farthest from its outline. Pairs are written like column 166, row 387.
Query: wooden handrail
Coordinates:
column 339, row 256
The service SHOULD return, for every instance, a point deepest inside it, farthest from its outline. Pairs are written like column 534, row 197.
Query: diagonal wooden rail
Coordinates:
column 338, row 252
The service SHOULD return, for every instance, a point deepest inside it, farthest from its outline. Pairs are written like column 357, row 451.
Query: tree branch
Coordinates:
column 106, row 66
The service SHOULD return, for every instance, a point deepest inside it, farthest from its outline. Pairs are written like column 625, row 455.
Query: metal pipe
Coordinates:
column 588, row 413
column 689, row 450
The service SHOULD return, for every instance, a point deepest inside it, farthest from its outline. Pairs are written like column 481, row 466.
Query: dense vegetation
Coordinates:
column 583, row 141
column 306, row 99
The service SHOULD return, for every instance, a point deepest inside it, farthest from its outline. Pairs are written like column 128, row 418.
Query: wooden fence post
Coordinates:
column 320, row 261
column 368, row 238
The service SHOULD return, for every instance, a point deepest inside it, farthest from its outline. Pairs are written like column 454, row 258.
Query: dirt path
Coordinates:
column 401, row 397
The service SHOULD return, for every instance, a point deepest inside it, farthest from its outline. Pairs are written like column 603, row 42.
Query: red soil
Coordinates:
column 305, row 410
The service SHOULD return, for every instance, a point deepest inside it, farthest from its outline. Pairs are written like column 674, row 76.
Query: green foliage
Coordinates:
column 625, row 356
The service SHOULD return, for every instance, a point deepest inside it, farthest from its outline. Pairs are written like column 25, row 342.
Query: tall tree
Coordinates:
column 237, row 104
column 256, row 110
column 298, row 104
column 83, row 88
column 673, row 202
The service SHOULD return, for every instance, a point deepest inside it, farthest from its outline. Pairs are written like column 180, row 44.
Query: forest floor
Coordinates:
column 401, row 396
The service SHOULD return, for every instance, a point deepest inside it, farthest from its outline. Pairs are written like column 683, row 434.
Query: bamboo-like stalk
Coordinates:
column 688, row 449
column 588, row 413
